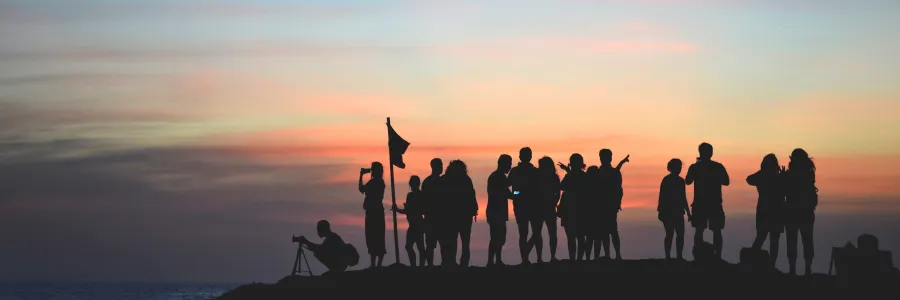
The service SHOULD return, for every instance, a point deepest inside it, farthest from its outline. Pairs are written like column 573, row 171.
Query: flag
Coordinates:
column 397, row 146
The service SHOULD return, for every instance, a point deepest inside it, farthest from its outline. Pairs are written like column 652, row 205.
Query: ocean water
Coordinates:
column 110, row 291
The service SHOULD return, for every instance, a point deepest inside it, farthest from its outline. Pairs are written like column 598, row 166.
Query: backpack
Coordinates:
column 351, row 255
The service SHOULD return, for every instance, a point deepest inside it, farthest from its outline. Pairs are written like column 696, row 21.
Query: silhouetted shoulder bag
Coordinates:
column 351, row 255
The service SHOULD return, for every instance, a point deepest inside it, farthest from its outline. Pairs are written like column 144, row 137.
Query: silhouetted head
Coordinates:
column 605, row 156
column 546, row 165
column 437, row 166
column 504, row 163
column 706, row 151
column 525, row 155
column 674, row 166
column 576, row 162
column 800, row 161
column 456, row 168
column 593, row 170
column 769, row 163
column 377, row 170
column 323, row 228
column 414, row 182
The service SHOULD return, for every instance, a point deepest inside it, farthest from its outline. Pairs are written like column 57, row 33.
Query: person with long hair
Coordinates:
column 550, row 192
column 800, row 206
column 770, row 206
column 573, row 187
column 460, row 194
column 375, row 224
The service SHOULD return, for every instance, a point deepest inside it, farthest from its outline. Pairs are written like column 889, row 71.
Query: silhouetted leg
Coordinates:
column 430, row 242
column 667, row 241
column 523, row 240
column 380, row 260
column 465, row 236
column 679, row 239
column 410, row 250
column 760, row 238
column 605, row 239
column 774, row 238
column 698, row 236
column 717, row 242
column 616, row 243
column 806, row 235
column 791, row 238
column 412, row 254
column 373, row 259
column 551, row 232
column 582, row 246
column 571, row 244
column 454, row 246
column 536, row 238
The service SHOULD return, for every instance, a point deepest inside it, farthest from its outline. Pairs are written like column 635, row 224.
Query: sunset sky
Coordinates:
column 187, row 140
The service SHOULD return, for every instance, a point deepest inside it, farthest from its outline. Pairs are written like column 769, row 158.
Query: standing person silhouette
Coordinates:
column 463, row 209
column 550, row 192
column 770, row 206
column 413, row 211
column 589, row 214
column 800, row 207
column 611, row 192
column 525, row 182
column 431, row 198
column 574, row 187
column 498, row 209
column 708, row 212
column 672, row 207
column 375, row 224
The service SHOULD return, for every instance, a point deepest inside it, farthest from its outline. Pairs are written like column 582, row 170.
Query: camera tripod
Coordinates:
column 299, row 260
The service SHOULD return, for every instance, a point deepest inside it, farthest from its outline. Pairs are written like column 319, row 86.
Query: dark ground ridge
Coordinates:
column 658, row 277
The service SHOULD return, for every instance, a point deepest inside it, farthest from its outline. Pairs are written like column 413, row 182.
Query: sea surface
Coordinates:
column 110, row 291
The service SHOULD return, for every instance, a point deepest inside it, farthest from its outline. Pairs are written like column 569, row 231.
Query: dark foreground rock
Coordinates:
column 676, row 279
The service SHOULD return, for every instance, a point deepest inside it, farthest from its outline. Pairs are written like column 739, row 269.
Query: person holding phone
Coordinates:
column 375, row 223
column 524, row 178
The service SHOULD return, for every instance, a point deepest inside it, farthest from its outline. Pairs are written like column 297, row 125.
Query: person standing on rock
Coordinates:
column 708, row 178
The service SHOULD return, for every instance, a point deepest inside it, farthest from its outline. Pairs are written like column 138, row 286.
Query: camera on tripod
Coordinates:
column 297, row 239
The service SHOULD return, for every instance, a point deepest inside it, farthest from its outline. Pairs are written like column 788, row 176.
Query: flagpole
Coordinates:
column 393, row 195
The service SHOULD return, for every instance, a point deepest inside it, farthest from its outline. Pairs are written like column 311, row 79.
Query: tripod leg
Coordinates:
column 297, row 261
column 308, row 269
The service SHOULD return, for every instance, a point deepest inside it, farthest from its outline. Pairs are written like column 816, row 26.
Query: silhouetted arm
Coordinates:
column 312, row 246
column 753, row 179
column 682, row 193
column 399, row 210
column 564, row 167
column 725, row 179
column 689, row 178
column 662, row 193
column 624, row 160
column 473, row 198
column 362, row 187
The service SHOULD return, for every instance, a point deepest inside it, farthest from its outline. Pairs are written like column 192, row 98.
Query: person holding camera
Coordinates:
column 375, row 224
column 332, row 252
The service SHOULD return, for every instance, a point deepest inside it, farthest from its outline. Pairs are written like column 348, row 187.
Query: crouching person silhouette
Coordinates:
column 336, row 255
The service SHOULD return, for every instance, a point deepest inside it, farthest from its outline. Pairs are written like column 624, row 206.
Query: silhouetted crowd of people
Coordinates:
column 587, row 199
